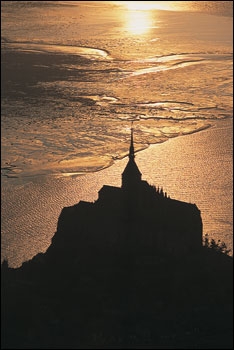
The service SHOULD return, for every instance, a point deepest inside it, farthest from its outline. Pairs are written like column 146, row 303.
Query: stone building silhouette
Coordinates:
column 136, row 218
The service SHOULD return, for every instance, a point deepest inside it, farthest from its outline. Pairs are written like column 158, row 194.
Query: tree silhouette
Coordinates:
column 217, row 246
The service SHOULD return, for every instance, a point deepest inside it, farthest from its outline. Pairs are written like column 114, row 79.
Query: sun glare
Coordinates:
column 139, row 22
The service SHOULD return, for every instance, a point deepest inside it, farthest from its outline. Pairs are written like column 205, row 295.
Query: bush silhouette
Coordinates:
column 217, row 246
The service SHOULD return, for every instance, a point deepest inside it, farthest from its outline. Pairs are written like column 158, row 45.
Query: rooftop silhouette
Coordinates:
column 128, row 270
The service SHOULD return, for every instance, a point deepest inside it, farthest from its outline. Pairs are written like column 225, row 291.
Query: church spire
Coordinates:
column 131, row 149
column 131, row 175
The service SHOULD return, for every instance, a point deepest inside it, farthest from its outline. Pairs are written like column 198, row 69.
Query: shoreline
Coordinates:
column 37, row 203
column 9, row 171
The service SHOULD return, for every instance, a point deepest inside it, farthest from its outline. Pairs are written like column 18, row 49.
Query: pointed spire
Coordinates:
column 131, row 149
column 131, row 174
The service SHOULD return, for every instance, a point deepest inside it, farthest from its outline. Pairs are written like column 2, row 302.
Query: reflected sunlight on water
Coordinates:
column 139, row 22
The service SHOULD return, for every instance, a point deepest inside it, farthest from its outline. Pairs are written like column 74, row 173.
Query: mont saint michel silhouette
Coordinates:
column 137, row 219
column 126, row 271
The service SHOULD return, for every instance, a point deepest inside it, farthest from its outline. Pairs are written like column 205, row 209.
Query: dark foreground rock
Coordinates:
column 119, row 302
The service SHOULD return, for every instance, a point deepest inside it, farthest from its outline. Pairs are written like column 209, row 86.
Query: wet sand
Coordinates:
column 195, row 168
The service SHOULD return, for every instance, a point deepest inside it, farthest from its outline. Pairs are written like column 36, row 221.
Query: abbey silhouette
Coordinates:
column 126, row 271
column 137, row 219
